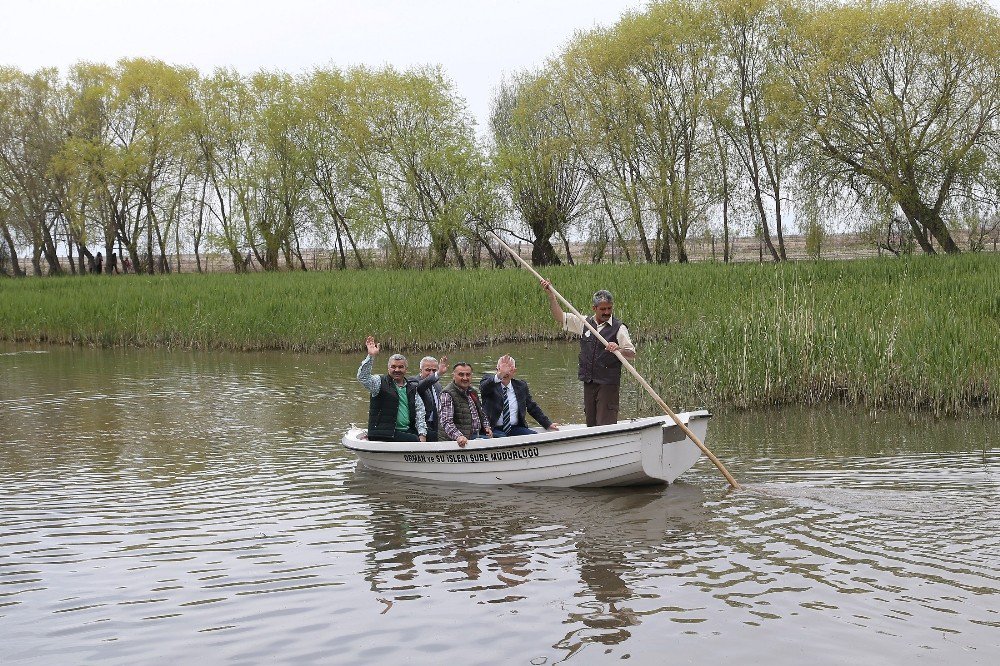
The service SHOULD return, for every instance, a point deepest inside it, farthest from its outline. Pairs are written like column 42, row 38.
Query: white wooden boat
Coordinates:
column 635, row 452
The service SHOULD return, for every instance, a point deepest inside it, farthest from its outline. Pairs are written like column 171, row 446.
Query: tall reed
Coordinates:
column 920, row 332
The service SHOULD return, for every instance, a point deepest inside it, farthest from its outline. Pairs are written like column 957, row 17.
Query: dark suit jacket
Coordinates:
column 489, row 389
column 427, row 389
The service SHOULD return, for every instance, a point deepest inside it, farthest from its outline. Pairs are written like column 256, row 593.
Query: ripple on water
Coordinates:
column 199, row 507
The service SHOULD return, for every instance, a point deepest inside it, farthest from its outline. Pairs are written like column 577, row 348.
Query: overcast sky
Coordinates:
column 476, row 41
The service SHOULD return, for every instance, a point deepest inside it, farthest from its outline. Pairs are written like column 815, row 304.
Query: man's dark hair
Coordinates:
column 454, row 367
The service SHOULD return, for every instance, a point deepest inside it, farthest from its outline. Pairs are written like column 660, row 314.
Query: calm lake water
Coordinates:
column 161, row 507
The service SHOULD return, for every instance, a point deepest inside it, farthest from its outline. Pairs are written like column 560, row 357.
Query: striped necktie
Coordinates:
column 505, row 414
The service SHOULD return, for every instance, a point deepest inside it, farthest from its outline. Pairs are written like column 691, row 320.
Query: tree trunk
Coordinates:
column 543, row 254
column 569, row 255
column 935, row 225
column 614, row 225
column 298, row 251
column 350, row 239
column 69, row 255
column 682, row 255
column 724, row 163
column 150, row 268
column 765, row 231
column 164, row 264
column 36, row 259
column 777, row 222
column 439, row 250
column 663, row 237
column 752, row 162
column 919, row 233
column 12, row 250
column 340, row 247
column 643, row 241
column 81, row 253
column 458, row 252
column 51, row 257
column 725, row 227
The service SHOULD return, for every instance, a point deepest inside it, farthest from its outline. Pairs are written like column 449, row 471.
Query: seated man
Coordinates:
column 394, row 412
column 507, row 401
column 462, row 416
column 429, row 390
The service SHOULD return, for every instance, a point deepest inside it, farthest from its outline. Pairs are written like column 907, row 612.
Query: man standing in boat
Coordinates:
column 507, row 402
column 462, row 415
column 600, row 370
column 395, row 413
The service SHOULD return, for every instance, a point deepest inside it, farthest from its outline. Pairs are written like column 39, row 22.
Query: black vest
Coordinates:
column 384, row 405
column 597, row 364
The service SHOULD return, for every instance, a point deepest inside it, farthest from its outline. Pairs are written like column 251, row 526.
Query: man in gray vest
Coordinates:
column 462, row 416
column 395, row 413
column 600, row 370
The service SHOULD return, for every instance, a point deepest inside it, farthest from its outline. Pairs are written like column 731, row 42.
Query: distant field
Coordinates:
column 744, row 250
column 918, row 332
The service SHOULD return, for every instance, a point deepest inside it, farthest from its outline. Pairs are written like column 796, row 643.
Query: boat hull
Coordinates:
column 635, row 452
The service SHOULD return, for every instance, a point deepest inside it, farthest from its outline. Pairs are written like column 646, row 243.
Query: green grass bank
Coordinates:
column 919, row 332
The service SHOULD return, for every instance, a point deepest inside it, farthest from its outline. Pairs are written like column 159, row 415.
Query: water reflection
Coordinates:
column 503, row 537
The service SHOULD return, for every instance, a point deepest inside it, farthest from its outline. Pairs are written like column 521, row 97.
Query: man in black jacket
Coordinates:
column 429, row 390
column 507, row 401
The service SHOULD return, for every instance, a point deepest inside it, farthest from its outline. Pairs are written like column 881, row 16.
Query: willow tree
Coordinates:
column 222, row 129
column 412, row 153
column 600, row 101
column 639, row 96
column 146, row 111
column 672, row 50
column 129, row 153
column 277, row 167
column 761, row 127
column 377, row 194
column 327, row 157
column 434, row 151
column 84, row 202
column 30, row 139
column 901, row 96
column 536, row 160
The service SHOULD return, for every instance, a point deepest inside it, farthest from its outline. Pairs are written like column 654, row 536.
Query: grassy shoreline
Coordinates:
column 920, row 332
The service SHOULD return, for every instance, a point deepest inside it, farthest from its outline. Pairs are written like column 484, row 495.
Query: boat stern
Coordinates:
column 667, row 452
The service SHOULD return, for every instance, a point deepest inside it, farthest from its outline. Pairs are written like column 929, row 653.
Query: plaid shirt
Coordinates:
column 447, row 423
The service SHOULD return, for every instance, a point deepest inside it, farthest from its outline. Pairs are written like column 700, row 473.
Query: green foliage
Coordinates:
column 535, row 159
column 639, row 97
column 915, row 333
column 30, row 140
column 416, row 173
column 156, row 158
column 902, row 96
column 638, row 136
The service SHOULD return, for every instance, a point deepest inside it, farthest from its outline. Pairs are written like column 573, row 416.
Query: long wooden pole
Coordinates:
column 635, row 373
